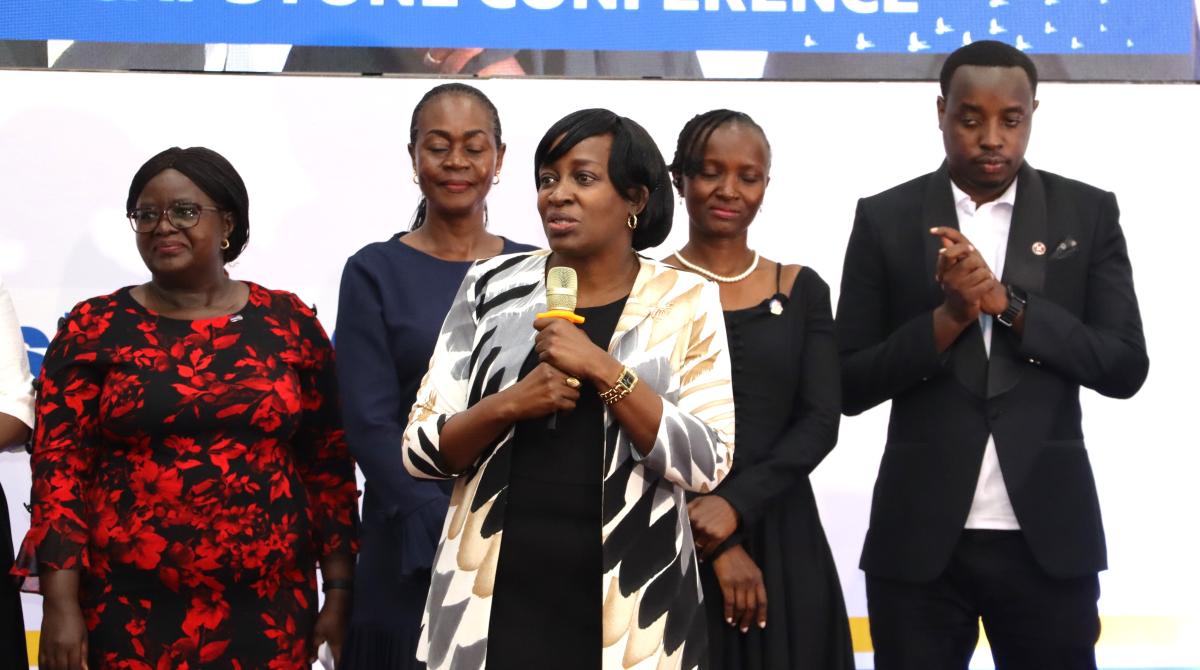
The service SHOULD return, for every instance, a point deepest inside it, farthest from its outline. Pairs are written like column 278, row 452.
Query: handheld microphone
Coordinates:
column 562, row 295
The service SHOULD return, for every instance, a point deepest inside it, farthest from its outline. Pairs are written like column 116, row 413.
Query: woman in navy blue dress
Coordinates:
column 394, row 297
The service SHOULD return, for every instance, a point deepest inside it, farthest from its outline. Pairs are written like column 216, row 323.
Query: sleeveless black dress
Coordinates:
column 546, row 605
column 787, row 396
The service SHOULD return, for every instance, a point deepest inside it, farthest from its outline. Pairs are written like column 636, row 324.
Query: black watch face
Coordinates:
column 627, row 378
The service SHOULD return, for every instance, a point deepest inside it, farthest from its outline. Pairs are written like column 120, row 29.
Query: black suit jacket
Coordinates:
column 1082, row 328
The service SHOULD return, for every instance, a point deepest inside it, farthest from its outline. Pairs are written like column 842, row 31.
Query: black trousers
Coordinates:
column 1032, row 620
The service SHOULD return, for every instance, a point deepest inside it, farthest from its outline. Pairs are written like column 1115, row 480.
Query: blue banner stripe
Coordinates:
column 826, row 26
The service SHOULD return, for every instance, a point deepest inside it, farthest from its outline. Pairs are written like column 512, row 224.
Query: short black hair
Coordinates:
column 689, row 149
column 214, row 175
column 988, row 53
column 634, row 162
column 453, row 88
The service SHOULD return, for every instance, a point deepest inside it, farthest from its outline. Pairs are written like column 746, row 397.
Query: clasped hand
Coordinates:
column 565, row 353
column 713, row 520
column 968, row 283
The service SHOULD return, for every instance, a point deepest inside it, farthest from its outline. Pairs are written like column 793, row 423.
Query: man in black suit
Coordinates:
column 985, row 505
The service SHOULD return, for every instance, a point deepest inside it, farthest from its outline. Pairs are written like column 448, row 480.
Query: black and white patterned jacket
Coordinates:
column 672, row 332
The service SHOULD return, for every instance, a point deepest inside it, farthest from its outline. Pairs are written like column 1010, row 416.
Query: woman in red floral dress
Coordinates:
column 189, row 468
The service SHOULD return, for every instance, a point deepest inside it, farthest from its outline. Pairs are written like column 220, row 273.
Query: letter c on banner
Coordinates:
column 500, row 4
column 242, row 2
column 544, row 4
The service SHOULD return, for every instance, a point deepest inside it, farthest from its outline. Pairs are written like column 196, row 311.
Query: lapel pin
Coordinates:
column 1039, row 249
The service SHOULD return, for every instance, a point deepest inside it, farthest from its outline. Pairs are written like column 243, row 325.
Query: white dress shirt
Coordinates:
column 987, row 228
column 16, row 384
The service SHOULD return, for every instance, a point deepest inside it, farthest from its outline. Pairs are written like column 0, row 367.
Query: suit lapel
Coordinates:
column 650, row 298
column 1023, row 268
column 968, row 356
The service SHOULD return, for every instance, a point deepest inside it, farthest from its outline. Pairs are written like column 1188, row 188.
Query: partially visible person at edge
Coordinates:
column 394, row 297
column 189, row 467
column 771, row 587
column 567, row 543
column 16, row 421
column 979, row 298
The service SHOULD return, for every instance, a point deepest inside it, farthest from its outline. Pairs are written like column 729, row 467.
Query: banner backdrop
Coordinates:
column 327, row 169
column 826, row 26
column 1159, row 37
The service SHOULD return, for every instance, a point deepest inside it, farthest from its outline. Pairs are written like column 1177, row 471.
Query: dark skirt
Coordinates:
column 391, row 584
column 807, row 627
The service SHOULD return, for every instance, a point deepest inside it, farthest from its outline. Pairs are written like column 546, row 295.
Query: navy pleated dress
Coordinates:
column 392, row 302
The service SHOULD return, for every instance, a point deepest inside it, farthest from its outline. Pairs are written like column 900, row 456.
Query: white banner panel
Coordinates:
column 327, row 168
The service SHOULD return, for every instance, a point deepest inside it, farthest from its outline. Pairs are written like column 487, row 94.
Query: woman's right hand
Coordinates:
column 542, row 392
column 63, row 643
column 742, row 588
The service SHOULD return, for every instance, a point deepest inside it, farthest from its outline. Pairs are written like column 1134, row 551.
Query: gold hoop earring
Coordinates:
column 415, row 179
column 224, row 244
column 632, row 222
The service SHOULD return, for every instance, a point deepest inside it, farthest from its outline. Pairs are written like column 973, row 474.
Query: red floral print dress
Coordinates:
column 194, row 472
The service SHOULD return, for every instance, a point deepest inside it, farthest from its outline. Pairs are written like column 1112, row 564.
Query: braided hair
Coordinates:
column 689, row 151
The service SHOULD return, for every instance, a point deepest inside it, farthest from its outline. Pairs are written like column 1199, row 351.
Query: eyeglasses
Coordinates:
column 181, row 215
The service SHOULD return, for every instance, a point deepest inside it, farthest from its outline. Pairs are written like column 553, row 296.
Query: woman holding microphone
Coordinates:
column 567, row 543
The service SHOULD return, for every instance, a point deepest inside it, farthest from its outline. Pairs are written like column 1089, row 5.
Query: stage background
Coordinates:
column 328, row 172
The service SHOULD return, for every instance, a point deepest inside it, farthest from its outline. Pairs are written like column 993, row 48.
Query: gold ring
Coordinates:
column 573, row 382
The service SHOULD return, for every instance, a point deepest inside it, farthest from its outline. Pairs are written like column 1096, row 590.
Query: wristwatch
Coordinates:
column 1016, row 304
column 623, row 387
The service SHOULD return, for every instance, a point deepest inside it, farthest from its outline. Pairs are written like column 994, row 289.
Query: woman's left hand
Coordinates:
column 565, row 346
column 332, row 624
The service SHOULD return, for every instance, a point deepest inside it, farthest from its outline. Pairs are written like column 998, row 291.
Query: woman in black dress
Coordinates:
column 770, row 584
column 394, row 296
column 567, row 543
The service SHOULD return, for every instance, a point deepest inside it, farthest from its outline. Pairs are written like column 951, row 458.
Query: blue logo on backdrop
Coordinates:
column 36, row 342
column 1112, row 27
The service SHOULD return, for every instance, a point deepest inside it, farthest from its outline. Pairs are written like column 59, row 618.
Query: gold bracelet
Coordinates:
column 623, row 387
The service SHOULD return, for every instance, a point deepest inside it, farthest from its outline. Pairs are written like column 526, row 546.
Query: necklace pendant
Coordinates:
column 776, row 307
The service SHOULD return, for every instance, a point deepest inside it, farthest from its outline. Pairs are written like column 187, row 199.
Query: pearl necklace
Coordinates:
column 716, row 277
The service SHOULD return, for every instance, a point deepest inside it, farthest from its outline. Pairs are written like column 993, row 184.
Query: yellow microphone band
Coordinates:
column 562, row 314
